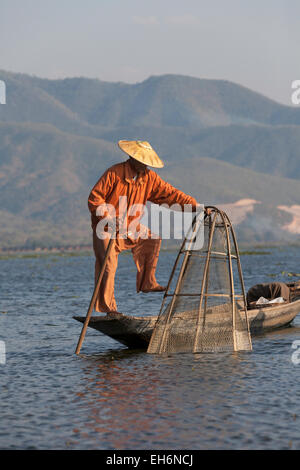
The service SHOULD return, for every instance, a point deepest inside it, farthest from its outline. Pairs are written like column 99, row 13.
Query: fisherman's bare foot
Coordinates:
column 157, row 288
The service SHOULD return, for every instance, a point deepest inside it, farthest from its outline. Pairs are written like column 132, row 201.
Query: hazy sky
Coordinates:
column 251, row 42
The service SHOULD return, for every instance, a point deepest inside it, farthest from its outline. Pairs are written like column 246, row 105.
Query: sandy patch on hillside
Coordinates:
column 237, row 211
column 294, row 226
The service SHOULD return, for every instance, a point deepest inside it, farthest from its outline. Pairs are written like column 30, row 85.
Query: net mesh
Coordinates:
column 205, row 312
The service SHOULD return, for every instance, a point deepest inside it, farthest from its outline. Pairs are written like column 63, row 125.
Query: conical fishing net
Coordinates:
column 204, row 307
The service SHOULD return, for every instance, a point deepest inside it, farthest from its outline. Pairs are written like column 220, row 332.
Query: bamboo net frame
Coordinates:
column 204, row 312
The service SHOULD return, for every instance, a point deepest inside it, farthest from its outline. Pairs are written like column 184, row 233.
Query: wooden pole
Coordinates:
column 241, row 279
column 232, row 290
column 204, row 281
column 93, row 299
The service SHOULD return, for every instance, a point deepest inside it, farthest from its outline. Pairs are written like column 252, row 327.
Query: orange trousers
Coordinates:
column 145, row 254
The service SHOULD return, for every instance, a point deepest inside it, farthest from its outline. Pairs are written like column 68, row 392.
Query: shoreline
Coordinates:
column 84, row 250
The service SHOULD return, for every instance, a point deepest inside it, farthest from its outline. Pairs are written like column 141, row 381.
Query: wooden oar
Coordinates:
column 93, row 299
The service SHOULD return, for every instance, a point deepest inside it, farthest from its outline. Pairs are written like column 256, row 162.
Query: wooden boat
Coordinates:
column 136, row 331
column 206, row 272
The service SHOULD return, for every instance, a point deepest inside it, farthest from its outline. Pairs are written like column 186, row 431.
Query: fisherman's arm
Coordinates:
column 164, row 193
column 98, row 195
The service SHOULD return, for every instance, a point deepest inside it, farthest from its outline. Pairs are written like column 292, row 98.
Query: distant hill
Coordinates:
column 168, row 100
column 215, row 182
column 221, row 142
column 273, row 150
column 181, row 116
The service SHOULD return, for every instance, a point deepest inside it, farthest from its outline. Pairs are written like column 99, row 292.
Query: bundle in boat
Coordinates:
column 204, row 306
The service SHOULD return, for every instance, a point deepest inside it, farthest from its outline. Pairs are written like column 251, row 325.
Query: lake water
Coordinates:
column 110, row 397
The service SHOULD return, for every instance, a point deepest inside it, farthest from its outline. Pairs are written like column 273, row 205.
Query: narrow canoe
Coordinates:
column 135, row 332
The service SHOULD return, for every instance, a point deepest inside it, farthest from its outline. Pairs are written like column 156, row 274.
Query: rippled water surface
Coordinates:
column 112, row 398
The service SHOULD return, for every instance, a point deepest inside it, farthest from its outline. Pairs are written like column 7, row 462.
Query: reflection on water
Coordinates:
column 113, row 398
column 112, row 390
column 186, row 401
column 133, row 398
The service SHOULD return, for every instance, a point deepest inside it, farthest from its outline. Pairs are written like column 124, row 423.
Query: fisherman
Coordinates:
column 117, row 194
column 273, row 290
column 269, row 291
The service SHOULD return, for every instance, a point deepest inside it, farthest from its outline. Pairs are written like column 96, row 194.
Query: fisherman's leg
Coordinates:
column 105, row 301
column 145, row 255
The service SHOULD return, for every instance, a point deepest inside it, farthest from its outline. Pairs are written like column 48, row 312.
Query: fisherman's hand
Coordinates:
column 199, row 207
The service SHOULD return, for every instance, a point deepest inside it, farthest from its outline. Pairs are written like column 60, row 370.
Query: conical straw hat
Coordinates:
column 141, row 151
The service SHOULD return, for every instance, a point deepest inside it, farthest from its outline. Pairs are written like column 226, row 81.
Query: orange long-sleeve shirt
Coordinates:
column 119, row 180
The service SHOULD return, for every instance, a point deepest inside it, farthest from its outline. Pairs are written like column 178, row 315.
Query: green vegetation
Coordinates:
column 52, row 256
column 285, row 273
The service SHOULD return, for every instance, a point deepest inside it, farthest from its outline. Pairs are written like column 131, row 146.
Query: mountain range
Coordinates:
column 221, row 143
